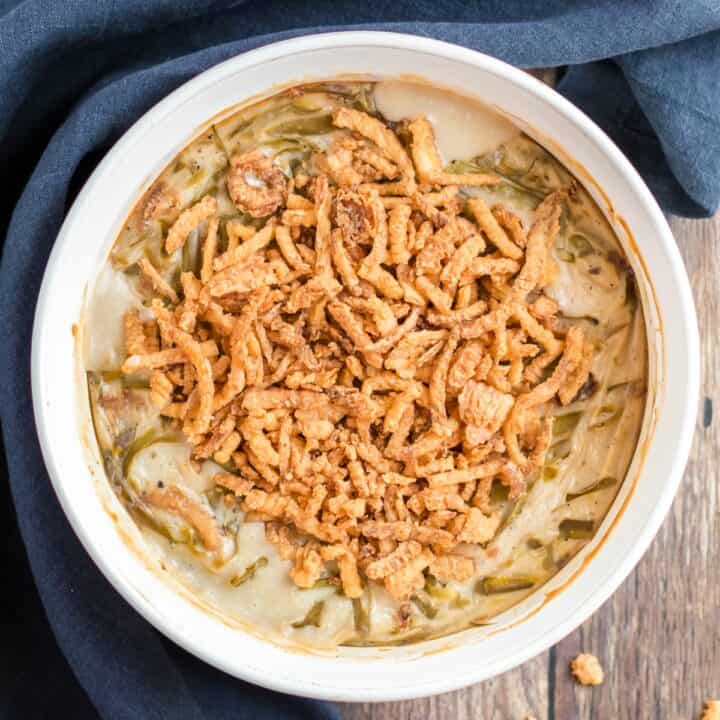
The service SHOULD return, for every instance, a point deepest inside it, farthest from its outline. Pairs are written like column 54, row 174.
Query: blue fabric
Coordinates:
column 74, row 76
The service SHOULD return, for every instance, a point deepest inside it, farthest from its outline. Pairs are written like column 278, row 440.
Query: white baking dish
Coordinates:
column 100, row 521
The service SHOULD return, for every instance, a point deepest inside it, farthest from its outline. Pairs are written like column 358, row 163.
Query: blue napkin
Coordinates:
column 73, row 77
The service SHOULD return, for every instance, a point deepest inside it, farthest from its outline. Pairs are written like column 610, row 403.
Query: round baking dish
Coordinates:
column 67, row 439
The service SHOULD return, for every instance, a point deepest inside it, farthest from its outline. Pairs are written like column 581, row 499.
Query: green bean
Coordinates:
column 586, row 318
column 249, row 572
column 571, row 529
column 182, row 535
column 565, row 423
column 549, row 559
column 558, row 451
column 495, row 162
column 243, row 126
column 192, row 254
column 460, row 602
column 147, row 439
column 365, row 101
column 360, row 616
column 516, row 510
column 283, row 144
column 436, row 590
column 135, row 383
column 495, row 585
column 608, row 415
column 199, row 176
column 156, row 255
column 128, row 251
column 632, row 388
column 219, row 143
column 130, row 270
column 313, row 617
column 549, row 473
column 315, row 125
column 463, row 167
column 426, row 607
column 517, row 194
column 580, row 245
column 306, row 104
column 565, row 255
column 519, row 190
column 324, row 582
column 601, row 484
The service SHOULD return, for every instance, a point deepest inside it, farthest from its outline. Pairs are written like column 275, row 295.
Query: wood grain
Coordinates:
column 658, row 637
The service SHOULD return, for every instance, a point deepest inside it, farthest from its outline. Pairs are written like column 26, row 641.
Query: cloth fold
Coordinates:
column 74, row 76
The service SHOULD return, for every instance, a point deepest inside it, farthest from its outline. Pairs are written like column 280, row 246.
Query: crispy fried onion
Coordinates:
column 255, row 184
column 364, row 371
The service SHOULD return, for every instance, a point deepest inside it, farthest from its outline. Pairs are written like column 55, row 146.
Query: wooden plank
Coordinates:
column 512, row 696
column 659, row 636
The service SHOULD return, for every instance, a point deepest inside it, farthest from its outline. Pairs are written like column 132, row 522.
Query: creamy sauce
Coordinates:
column 113, row 296
column 463, row 127
column 593, row 438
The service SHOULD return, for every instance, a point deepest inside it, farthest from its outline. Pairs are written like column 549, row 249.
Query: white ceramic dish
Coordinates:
column 356, row 674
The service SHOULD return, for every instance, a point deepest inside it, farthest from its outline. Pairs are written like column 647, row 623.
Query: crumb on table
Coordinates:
column 587, row 669
column 712, row 710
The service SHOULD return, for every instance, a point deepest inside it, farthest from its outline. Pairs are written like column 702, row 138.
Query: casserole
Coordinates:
column 445, row 663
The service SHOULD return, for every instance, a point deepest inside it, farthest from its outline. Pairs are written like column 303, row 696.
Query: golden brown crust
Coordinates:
column 255, row 184
column 540, row 238
column 159, row 284
column 452, row 567
column 373, row 129
column 134, row 334
column 428, row 164
column 366, row 360
column 189, row 219
column 403, row 583
column 492, row 228
column 161, row 389
column 174, row 500
column 483, row 409
column 512, row 224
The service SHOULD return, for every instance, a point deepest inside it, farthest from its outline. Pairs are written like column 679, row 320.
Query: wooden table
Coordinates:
column 658, row 637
